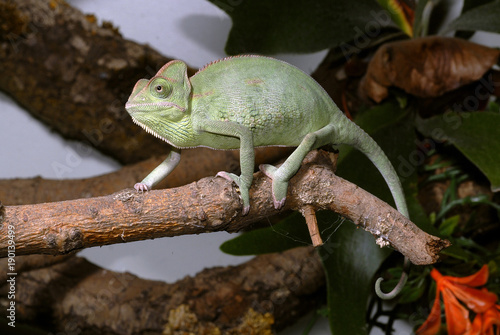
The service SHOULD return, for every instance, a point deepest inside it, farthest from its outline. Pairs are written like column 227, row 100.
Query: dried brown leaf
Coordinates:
column 426, row 67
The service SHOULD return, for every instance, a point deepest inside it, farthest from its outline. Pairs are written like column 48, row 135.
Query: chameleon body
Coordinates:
column 243, row 102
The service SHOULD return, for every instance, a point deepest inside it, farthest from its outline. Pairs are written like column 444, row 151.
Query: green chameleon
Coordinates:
column 245, row 102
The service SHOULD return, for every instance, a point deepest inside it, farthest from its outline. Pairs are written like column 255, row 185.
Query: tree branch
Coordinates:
column 211, row 204
column 268, row 292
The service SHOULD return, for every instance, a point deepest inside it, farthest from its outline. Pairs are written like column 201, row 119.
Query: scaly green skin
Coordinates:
column 241, row 103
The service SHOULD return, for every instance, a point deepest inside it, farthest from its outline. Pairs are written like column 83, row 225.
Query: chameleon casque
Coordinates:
column 244, row 102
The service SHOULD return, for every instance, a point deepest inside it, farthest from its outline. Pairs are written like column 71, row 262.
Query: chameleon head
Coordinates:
column 162, row 100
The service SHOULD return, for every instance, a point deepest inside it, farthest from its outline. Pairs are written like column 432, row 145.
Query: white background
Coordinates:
column 194, row 31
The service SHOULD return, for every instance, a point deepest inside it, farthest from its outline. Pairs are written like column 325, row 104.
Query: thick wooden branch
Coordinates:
column 211, row 204
column 266, row 293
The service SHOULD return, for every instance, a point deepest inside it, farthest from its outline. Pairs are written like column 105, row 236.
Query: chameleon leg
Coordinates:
column 282, row 175
column 247, row 156
column 161, row 171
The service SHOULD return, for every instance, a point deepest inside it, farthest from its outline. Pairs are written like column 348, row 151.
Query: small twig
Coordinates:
column 312, row 224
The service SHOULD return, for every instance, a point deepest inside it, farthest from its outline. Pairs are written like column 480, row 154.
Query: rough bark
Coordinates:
column 264, row 294
column 211, row 204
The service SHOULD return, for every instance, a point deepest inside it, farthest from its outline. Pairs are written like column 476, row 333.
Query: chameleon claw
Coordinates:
column 141, row 187
column 279, row 187
column 279, row 204
column 227, row 176
column 243, row 190
column 268, row 170
column 245, row 210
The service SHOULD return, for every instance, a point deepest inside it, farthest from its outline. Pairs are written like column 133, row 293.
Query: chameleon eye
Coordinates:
column 160, row 88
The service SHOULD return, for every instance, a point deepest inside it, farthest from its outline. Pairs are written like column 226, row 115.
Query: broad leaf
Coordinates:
column 280, row 26
column 350, row 258
column 421, row 21
column 475, row 134
column 471, row 4
column 468, row 5
column 483, row 18
column 289, row 233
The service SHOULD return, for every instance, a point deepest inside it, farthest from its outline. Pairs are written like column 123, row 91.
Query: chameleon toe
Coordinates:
column 279, row 193
column 268, row 170
column 141, row 187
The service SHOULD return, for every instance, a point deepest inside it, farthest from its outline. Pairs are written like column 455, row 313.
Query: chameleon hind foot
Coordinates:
column 279, row 187
column 245, row 196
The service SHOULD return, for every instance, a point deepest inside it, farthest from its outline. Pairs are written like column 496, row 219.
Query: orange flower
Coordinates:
column 484, row 322
column 453, row 289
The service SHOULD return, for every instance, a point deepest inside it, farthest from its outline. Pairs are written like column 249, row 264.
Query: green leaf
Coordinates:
column 280, row 26
column 423, row 13
column 483, row 18
column 350, row 259
column 447, row 227
column 289, row 233
column 475, row 134
column 471, row 4
column 468, row 5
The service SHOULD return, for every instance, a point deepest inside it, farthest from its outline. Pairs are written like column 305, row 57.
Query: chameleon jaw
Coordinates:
column 181, row 140
column 149, row 130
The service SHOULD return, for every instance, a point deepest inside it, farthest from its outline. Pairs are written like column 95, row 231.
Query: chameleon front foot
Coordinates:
column 279, row 187
column 141, row 187
column 244, row 190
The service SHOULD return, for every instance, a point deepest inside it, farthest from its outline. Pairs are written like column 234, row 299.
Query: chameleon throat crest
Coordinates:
column 181, row 134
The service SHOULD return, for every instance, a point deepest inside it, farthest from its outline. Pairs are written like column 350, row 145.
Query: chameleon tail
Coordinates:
column 399, row 286
column 356, row 137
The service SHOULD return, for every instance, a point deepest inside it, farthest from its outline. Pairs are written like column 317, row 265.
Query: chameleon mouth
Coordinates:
column 151, row 106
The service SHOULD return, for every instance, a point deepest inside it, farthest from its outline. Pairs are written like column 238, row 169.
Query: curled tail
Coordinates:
column 353, row 135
